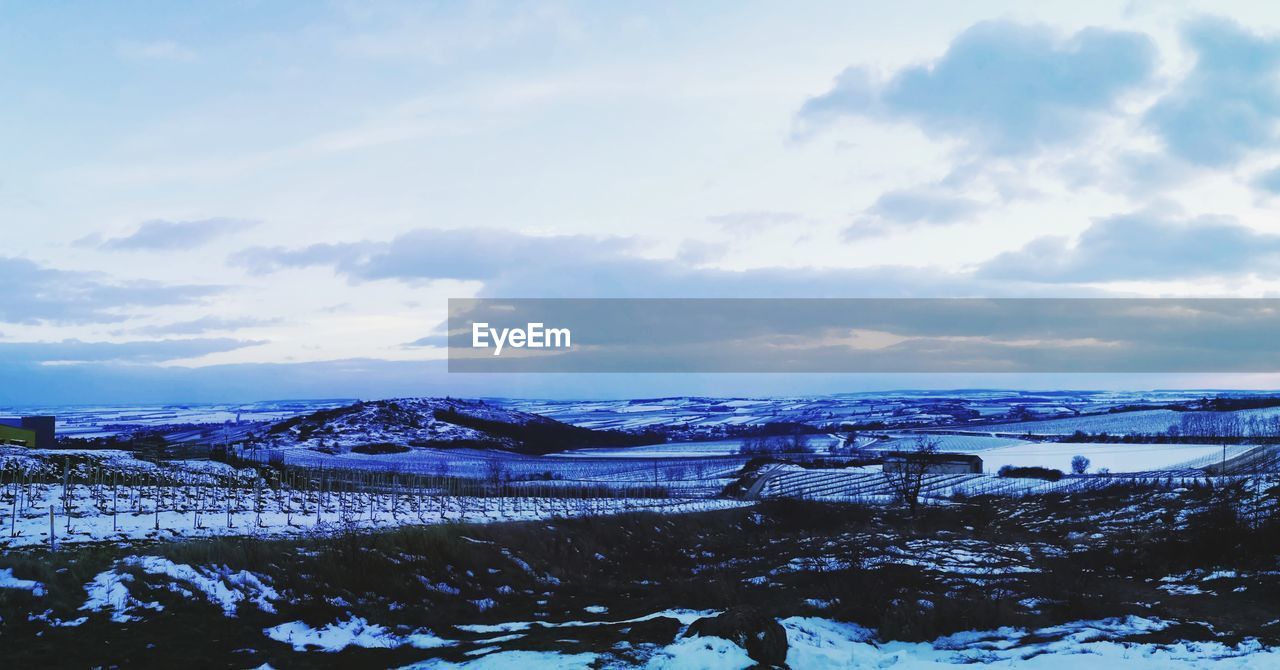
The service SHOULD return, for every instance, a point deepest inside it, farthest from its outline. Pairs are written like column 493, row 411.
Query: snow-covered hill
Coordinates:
column 398, row 425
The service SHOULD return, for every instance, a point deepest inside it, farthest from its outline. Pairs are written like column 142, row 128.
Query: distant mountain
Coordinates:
column 398, row 425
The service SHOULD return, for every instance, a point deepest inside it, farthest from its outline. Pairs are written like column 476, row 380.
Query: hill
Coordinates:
column 398, row 425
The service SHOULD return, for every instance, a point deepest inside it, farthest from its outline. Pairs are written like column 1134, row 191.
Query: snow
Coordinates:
column 8, row 581
column 400, row 421
column 218, row 588
column 92, row 520
column 107, row 420
column 978, row 444
column 109, row 591
column 815, row 643
column 526, row 660
column 814, row 443
column 701, row 653
column 48, row 618
column 821, row 644
column 1181, row 589
column 354, row 631
column 1116, row 457
column 1147, row 422
column 685, row 617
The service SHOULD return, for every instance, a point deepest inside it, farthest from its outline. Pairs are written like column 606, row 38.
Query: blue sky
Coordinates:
column 198, row 198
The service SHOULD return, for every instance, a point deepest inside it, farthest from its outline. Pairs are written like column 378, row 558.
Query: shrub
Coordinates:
column 380, row 448
column 1032, row 472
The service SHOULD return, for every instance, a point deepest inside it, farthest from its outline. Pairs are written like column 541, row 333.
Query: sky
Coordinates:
column 250, row 200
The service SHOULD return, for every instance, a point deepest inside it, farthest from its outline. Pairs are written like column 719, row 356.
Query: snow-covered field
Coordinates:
column 30, row 512
column 705, row 416
column 952, row 443
column 813, row 643
column 1142, row 422
column 689, row 471
column 869, row 485
column 816, row 643
column 1146, row 422
column 86, row 421
column 1117, row 458
column 813, row 444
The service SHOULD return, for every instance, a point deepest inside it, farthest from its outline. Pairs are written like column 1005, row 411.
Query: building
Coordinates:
column 34, row 432
column 934, row 464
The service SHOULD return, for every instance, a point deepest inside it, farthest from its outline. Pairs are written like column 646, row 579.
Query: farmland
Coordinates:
column 443, row 533
column 58, row 497
column 1149, row 422
column 1055, row 577
column 1109, row 457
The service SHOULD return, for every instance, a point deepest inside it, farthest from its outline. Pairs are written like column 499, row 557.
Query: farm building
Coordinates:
column 935, row 464
column 36, row 432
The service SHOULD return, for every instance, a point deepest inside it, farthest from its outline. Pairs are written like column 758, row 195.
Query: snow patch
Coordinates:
column 109, row 591
column 8, row 581
column 526, row 660
column 355, row 631
column 697, row 653
column 223, row 588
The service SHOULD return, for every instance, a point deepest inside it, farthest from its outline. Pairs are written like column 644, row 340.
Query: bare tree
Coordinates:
column 495, row 472
column 906, row 470
column 846, row 446
column 1079, row 464
column 795, row 443
column 757, row 446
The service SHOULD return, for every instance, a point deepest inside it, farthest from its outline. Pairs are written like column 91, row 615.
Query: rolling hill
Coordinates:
column 399, row 425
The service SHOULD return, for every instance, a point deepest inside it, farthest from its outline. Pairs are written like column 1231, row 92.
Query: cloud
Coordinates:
column 204, row 325
column 149, row 351
column 756, row 221
column 96, row 383
column 440, row 340
column 465, row 254
column 696, row 252
column 1227, row 106
column 1004, row 88
column 510, row 265
column 265, row 260
column 162, row 235
column 1139, row 174
column 438, row 337
column 1268, row 181
column 942, row 335
column 34, row 293
column 1142, row 246
column 911, row 208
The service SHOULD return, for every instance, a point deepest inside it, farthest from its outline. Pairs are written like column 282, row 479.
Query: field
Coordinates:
column 1141, row 422
column 56, row 498
column 1148, row 422
column 813, row 444
column 694, row 418
column 88, row 421
column 371, row 535
column 950, row 443
column 696, row 473
column 1129, row 576
column 868, row 486
column 1116, row 458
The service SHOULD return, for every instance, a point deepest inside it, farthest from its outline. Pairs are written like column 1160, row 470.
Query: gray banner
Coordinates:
column 864, row 335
